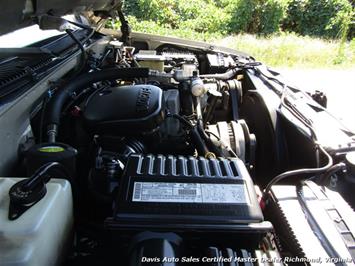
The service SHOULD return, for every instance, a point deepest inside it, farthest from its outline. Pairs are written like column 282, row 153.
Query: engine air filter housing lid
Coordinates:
column 188, row 190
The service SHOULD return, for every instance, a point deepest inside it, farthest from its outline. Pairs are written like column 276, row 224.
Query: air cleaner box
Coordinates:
column 186, row 192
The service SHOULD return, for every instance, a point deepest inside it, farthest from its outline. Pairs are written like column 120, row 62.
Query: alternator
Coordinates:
column 235, row 136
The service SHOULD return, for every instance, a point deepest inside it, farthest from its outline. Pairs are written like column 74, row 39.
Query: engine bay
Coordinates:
column 177, row 154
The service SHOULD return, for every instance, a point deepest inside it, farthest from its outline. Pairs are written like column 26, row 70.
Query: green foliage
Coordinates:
column 345, row 18
column 292, row 50
column 200, row 16
column 163, row 12
column 280, row 28
column 323, row 18
column 242, row 15
column 326, row 18
column 149, row 26
column 203, row 18
column 271, row 15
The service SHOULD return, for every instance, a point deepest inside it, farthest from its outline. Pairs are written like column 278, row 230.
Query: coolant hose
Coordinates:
column 210, row 144
column 57, row 102
column 201, row 146
column 223, row 76
column 196, row 136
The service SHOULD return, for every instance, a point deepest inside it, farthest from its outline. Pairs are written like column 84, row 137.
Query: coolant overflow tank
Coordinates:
column 39, row 236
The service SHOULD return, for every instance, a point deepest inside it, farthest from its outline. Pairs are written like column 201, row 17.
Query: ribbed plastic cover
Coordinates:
column 188, row 190
column 161, row 165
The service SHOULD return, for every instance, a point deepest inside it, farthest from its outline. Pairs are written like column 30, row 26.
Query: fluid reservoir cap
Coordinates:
column 197, row 87
column 22, row 199
column 20, row 195
column 51, row 148
column 350, row 162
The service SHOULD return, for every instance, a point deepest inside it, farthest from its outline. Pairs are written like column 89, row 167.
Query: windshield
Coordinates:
column 26, row 36
column 32, row 34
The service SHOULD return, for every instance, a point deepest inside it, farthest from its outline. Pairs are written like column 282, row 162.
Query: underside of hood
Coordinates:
column 20, row 13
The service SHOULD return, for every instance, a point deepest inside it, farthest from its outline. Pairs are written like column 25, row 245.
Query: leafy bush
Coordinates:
column 242, row 15
column 318, row 17
column 203, row 17
column 160, row 11
column 200, row 16
column 149, row 26
column 306, row 17
column 271, row 15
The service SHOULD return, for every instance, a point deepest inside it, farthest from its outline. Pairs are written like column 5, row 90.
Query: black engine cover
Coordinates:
column 193, row 197
column 132, row 109
column 187, row 190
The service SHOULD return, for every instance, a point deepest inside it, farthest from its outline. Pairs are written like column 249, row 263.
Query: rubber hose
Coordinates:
column 200, row 144
column 57, row 102
column 208, row 140
column 223, row 76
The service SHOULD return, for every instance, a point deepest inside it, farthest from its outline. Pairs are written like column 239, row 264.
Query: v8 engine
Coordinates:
column 163, row 153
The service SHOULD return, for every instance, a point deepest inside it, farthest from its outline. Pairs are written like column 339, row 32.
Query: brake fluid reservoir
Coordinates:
column 41, row 235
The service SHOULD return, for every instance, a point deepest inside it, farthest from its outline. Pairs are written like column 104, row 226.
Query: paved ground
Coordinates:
column 339, row 86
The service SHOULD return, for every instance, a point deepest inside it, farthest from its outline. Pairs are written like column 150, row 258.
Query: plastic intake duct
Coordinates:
column 74, row 86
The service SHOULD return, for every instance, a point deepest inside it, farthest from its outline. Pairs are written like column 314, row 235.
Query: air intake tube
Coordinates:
column 57, row 102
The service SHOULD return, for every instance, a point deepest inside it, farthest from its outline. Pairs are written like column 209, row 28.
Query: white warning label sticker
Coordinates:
column 189, row 192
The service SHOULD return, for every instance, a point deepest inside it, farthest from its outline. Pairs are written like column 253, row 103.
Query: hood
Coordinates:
column 21, row 13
